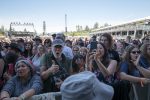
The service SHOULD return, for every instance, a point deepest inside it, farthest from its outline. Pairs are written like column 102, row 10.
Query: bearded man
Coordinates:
column 55, row 67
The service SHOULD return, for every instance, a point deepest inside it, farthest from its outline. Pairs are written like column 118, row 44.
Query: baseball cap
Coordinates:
column 58, row 42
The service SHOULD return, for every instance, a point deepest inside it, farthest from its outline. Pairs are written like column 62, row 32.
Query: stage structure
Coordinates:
column 18, row 29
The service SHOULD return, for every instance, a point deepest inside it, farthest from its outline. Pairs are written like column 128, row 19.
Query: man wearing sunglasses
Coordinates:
column 55, row 67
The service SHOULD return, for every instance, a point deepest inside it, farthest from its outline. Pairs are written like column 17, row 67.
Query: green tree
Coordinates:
column 78, row 28
column 87, row 28
column 2, row 30
column 106, row 24
column 96, row 25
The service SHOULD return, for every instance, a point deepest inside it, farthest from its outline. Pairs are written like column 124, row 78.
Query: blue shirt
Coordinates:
column 124, row 67
column 15, row 87
column 144, row 62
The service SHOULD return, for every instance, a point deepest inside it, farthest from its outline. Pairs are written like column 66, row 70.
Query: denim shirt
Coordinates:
column 15, row 87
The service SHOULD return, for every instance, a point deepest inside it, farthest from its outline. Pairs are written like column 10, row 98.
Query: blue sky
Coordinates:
column 79, row 12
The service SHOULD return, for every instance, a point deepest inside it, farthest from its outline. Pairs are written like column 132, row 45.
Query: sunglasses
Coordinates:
column 58, row 46
column 136, row 52
column 147, row 39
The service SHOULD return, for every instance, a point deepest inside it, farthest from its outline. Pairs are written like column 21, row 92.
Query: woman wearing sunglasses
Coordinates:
column 24, row 85
column 130, row 68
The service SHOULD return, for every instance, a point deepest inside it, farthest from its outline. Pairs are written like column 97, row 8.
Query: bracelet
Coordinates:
column 22, row 97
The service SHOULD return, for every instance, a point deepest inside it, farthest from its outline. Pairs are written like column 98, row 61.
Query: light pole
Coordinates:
column 66, row 23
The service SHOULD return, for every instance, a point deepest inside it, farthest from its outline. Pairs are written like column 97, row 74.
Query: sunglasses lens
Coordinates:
column 134, row 52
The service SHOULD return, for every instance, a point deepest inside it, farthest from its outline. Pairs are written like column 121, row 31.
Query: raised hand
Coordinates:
column 136, row 62
column 97, row 55
column 58, row 82
column 54, row 68
column 89, row 60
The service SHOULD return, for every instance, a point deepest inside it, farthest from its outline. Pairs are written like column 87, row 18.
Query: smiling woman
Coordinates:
column 24, row 85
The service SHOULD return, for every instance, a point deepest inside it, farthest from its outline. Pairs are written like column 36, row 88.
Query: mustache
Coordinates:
column 56, row 55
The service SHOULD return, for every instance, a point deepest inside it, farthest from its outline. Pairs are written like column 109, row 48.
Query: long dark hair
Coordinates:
column 105, row 60
column 75, row 66
column 127, row 57
column 26, row 52
column 109, row 37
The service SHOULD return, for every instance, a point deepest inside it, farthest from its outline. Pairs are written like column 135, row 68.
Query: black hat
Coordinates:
column 37, row 38
column 20, row 40
column 15, row 46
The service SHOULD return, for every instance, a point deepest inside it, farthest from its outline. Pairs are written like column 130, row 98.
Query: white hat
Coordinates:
column 85, row 86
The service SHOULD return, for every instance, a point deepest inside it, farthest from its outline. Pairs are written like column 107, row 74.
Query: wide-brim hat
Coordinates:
column 85, row 86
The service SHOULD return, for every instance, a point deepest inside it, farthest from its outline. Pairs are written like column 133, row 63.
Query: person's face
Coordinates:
column 148, row 50
column 83, row 52
column 100, row 50
column 119, row 45
column 68, row 44
column 75, row 51
column 28, row 46
column 46, row 43
column 22, row 70
column 5, row 49
column 37, row 42
column 11, row 50
column 34, row 50
column 134, row 54
column 57, row 51
column 40, row 49
column 105, row 41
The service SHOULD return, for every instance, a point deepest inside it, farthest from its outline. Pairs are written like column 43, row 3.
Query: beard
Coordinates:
column 56, row 55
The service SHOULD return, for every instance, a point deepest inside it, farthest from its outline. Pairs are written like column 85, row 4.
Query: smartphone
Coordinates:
column 93, row 45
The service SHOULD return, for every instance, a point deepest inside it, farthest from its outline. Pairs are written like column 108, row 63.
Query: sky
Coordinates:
column 79, row 12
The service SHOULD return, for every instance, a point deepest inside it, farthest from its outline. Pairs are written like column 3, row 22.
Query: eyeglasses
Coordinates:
column 136, row 52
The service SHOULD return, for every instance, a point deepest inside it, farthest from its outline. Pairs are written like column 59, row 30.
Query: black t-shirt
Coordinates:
column 114, row 55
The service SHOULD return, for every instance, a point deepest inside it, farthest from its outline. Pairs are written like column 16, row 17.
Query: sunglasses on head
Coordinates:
column 134, row 52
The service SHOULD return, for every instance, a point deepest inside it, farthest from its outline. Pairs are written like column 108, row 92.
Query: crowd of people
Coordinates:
column 97, row 69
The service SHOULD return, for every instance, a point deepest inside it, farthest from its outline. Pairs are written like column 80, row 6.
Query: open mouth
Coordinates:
column 57, row 53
